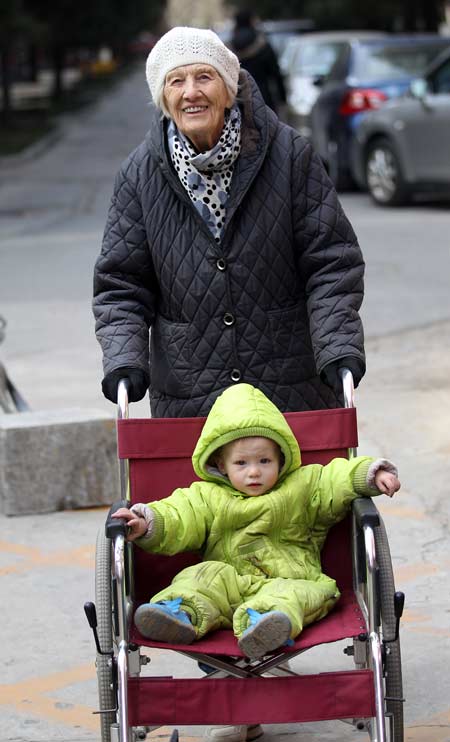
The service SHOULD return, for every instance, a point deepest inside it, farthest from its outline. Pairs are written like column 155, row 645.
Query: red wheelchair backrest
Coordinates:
column 159, row 451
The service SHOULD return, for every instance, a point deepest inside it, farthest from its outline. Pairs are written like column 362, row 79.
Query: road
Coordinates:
column 52, row 210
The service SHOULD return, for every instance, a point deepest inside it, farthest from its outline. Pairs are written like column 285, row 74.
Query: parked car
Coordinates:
column 305, row 62
column 278, row 33
column 365, row 75
column 404, row 148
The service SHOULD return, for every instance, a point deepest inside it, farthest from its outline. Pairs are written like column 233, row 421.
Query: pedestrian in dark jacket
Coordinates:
column 258, row 57
column 226, row 238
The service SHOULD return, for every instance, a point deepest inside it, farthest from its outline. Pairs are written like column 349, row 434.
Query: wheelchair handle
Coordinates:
column 123, row 388
column 348, row 387
column 122, row 414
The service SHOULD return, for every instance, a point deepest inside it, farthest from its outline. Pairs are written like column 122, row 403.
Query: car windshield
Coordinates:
column 278, row 40
column 388, row 62
column 315, row 58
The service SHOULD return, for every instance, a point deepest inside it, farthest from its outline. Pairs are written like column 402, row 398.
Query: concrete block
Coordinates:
column 57, row 460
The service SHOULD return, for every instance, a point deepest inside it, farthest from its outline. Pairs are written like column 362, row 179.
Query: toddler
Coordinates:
column 260, row 520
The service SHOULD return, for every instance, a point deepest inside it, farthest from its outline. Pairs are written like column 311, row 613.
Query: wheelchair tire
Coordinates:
column 103, row 603
column 393, row 665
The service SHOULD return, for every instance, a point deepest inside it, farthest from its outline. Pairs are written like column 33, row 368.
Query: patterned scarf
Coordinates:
column 207, row 176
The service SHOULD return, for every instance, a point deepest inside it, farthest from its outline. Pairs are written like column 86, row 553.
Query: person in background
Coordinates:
column 226, row 239
column 259, row 59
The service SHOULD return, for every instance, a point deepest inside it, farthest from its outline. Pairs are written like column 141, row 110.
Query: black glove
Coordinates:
column 331, row 376
column 138, row 383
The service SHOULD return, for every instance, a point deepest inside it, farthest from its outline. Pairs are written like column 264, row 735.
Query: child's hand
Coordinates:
column 137, row 526
column 386, row 482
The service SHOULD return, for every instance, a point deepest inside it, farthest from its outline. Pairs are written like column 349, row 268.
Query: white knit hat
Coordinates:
column 183, row 45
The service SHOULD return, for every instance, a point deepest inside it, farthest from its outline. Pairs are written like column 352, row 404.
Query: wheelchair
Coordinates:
column 154, row 459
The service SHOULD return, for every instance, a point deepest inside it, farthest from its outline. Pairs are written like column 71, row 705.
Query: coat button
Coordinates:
column 221, row 264
column 235, row 375
column 228, row 319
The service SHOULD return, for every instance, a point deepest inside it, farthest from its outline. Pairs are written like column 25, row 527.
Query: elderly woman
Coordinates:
column 226, row 238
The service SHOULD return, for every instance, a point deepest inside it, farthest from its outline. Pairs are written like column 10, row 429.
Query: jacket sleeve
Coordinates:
column 330, row 261
column 124, row 281
column 339, row 483
column 181, row 522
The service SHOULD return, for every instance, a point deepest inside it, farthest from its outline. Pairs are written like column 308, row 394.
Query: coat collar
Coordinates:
column 258, row 129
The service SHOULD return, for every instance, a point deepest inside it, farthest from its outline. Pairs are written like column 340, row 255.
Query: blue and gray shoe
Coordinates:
column 165, row 622
column 265, row 633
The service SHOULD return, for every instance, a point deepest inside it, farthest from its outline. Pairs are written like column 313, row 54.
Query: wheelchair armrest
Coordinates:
column 366, row 512
column 116, row 526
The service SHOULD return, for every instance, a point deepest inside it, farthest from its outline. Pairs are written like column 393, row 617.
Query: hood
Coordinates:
column 242, row 411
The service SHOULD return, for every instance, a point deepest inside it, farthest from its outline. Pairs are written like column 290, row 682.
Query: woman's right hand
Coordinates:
column 136, row 526
column 138, row 382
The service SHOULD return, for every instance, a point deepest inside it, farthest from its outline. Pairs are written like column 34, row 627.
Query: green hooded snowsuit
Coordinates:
column 260, row 552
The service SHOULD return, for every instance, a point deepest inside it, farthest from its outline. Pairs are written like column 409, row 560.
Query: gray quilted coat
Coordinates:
column 271, row 305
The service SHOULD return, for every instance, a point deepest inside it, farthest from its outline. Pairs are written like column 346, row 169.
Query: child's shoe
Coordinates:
column 165, row 622
column 266, row 632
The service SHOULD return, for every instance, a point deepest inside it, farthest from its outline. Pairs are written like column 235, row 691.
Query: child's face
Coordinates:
column 251, row 464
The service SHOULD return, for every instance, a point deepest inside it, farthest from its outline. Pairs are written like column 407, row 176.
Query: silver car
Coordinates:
column 403, row 148
column 306, row 61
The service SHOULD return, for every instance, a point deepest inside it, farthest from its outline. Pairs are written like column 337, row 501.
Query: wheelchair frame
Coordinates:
column 376, row 648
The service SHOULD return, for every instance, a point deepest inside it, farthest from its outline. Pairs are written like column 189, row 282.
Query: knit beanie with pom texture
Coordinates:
column 184, row 45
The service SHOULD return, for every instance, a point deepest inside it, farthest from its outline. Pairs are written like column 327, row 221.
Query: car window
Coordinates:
column 389, row 62
column 278, row 40
column 440, row 82
column 315, row 58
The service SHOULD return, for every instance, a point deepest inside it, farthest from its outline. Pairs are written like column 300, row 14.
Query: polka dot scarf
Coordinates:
column 207, row 176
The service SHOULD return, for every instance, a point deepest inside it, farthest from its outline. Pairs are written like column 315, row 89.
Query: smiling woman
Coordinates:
column 226, row 238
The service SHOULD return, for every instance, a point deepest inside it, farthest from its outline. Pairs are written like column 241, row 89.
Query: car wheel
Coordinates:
column 384, row 177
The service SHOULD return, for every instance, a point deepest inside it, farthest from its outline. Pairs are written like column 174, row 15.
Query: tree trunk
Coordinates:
column 58, row 67
column 421, row 15
column 409, row 15
column 5, row 61
column 33, row 65
column 431, row 14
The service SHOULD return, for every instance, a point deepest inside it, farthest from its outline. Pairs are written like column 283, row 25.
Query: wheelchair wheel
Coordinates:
column 103, row 602
column 393, row 665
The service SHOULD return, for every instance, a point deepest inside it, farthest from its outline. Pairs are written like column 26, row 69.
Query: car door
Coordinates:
column 425, row 126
